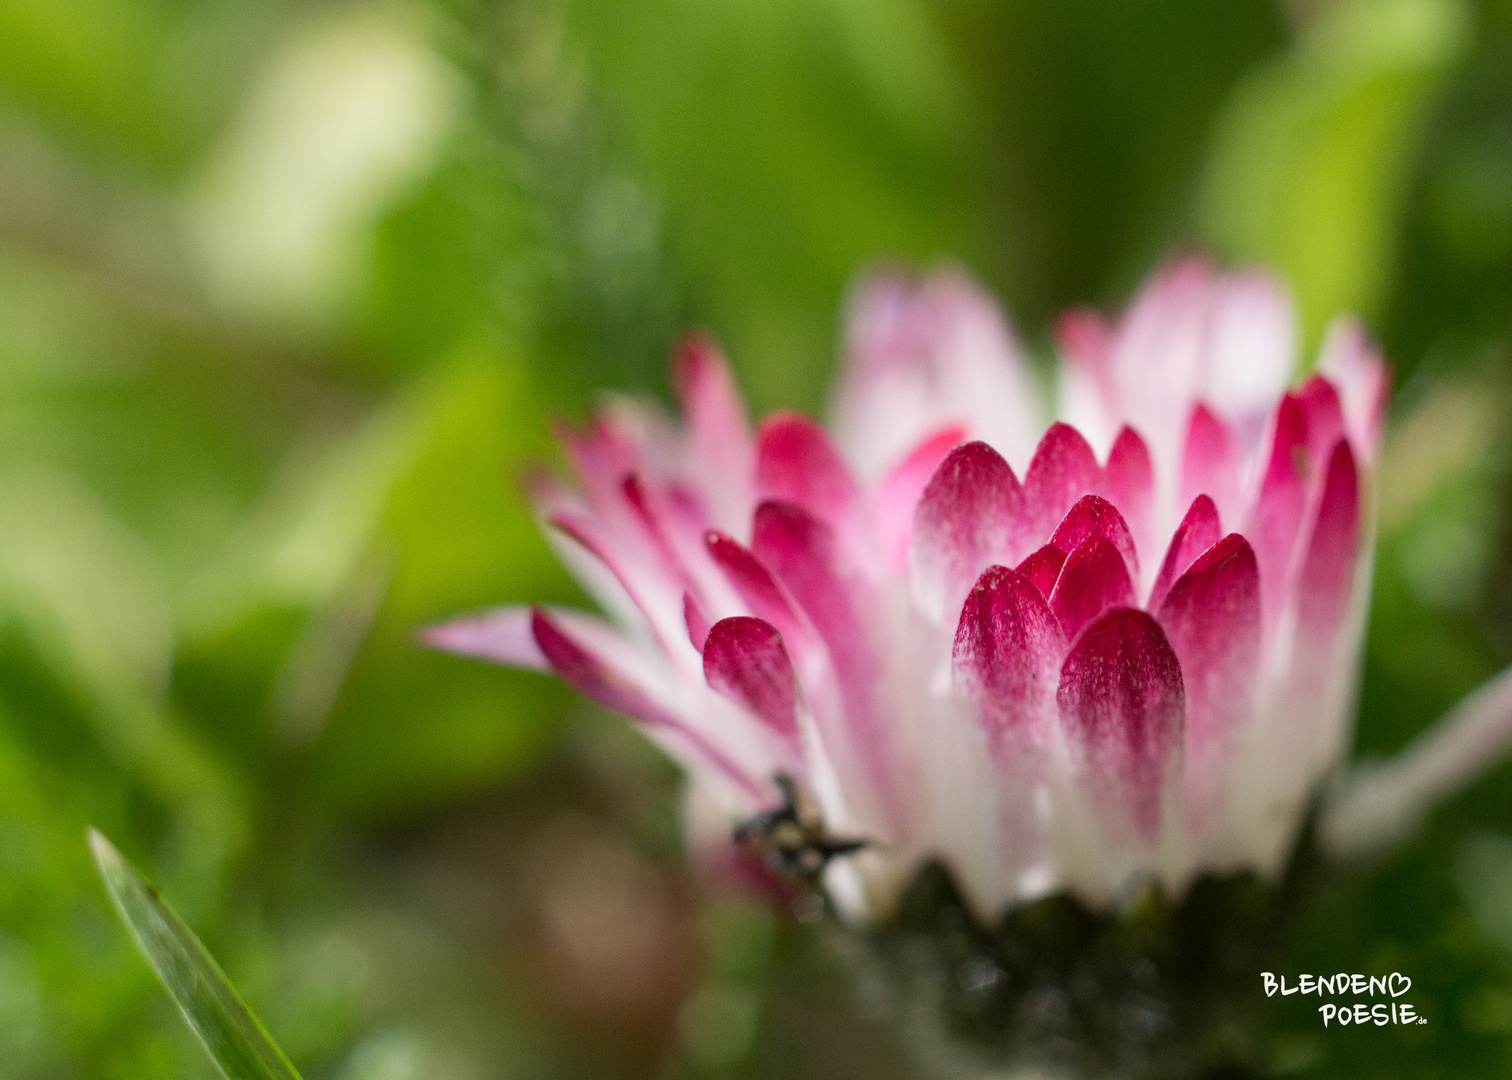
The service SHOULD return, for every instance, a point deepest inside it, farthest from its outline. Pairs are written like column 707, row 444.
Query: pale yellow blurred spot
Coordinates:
column 348, row 113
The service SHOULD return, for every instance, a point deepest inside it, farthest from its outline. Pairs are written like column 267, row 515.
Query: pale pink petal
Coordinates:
column 1198, row 531
column 720, row 453
column 502, row 635
column 1087, row 395
column 1121, row 707
column 1085, row 339
column 1211, row 616
column 897, row 494
column 965, row 521
column 922, row 354
column 1283, row 500
column 1210, row 463
column 1250, row 346
column 1094, row 579
column 1095, row 516
column 1363, row 380
column 651, row 517
column 1158, row 350
column 1043, row 568
column 744, row 660
column 600, row 665
column 1129, row 480
column 642, row 582
column 1062, row 471
column 601, row 455
column 1007, row 648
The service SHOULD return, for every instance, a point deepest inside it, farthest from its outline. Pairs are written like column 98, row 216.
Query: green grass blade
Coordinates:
column 235, row 1039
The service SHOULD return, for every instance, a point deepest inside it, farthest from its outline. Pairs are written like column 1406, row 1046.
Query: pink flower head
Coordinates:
column 1053, row 655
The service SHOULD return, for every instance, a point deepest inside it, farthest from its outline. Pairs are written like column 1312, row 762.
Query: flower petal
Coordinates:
column 1129, row 478
column 897, row 494
column 1062, row 471
column 1325, row 417
column 1278, row 513
column 1250, row 343
column 1094, row 579
column 1007, row 648
column 965, row 521
column 1328, row 565
column 1095, row 516
column 720, row 453
column 594, row 660
column 803, row 554
column 697, row 620
column 1211, row 616
column 1043, row 568
column 1363, row 380
column 502, row 635
column 797, row 463
column 744, row 660
column 1198, row 531
column 757, row 588
column 1121, row 706
column 1210, row 464
column 921, row 354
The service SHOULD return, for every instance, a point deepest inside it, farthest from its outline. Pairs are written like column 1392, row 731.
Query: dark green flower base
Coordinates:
column 1160, row 987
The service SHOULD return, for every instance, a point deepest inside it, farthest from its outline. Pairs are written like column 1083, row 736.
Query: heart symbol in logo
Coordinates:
column 1392, row 984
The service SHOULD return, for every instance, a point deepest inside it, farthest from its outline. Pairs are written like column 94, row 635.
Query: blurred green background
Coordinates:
column 288, row 293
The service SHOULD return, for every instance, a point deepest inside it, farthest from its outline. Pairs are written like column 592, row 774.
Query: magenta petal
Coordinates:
column 1198, row 531
column 1121, row 705
column 590, row 672
column 1007, row 646
column 1211, row 617
column 589, row 663
column 964, row 522
column 800, row 549
column 1327, row 569
column 797, row 463
column 744, row 660
column 804, row 556
column 1129, row 478
column 1210, row 462
column 1325, row 416
column 898, row 493
column 1043, row 568
column 1093, row 580
column 756, row 586
column 697, row 620
column 502, row 635
column 1283, row 498
column 1062, row 471
column 1095, row 516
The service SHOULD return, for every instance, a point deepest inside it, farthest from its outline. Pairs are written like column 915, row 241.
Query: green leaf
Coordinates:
column 235, row 1039
column 1312, row 157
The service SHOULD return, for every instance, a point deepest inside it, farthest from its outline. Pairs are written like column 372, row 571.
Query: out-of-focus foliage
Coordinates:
column 287, row 295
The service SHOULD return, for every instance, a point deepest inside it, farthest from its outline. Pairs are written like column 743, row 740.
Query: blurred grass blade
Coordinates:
column 233, row 1036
